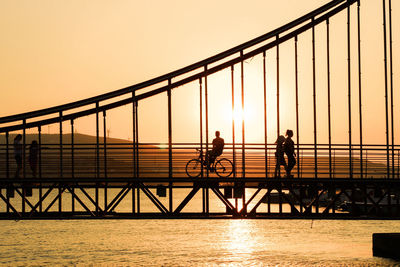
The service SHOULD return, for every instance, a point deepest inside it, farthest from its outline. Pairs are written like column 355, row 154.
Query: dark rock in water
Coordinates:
column 386, row 245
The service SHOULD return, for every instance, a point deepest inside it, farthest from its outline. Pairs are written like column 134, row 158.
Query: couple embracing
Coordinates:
column 285, row 146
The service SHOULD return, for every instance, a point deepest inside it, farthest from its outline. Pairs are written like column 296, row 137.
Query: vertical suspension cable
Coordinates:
column 137, row 170
column 243, row 134
column 265, row 115
column 133, row 149
column 72, row 165
column 40, row 166
column 133, row 134
column 296, row 73
column 314, row 104
column 386, row 88
column 24, row 150
column 349, row 90
column 61, row 162
column 277, row 97
column 391, row 82
column 136, row 143
column 202, row 158
column 329, row 97
column 105, row 158
column 23, row 164
column 7, row 156
column 170, row 143
column 97, row 157
column 277, row 89
column 360, row 89
column 233, row 120
column 243, row 119
column 137, row 138
column 206, row 107
column 201, row 125
column 10, row 188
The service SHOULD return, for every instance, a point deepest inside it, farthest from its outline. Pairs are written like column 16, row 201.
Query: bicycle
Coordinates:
column 222, row 167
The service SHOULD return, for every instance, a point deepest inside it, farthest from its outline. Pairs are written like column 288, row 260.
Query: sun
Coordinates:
column 239, row 114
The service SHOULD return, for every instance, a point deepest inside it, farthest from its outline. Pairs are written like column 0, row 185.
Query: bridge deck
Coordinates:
column 164, row 197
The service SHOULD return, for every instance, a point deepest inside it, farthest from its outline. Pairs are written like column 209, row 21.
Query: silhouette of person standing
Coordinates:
column 279, row 155
column 18, row 154
column 33, row 157
column 289, row 151
column 218, row 147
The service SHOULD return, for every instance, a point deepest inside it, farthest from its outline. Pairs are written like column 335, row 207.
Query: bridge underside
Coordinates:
column 200, row 198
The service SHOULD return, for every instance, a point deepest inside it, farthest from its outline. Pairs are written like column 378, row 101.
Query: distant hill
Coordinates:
column 55, row 138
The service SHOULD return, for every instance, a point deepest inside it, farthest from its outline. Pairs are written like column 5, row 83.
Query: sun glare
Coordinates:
column 240, row 114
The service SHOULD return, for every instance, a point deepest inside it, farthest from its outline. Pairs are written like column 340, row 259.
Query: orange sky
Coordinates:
column 56, row 52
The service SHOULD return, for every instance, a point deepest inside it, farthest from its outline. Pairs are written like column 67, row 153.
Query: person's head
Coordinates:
column 289, row 133
column 18, row 137
column 217, row 133
column 281, row 139
column 34, row 143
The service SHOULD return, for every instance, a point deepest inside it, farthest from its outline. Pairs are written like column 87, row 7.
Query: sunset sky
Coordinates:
column 54, row 52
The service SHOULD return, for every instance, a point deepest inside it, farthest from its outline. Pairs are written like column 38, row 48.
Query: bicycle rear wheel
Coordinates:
column 193, row 168
column 223, row 167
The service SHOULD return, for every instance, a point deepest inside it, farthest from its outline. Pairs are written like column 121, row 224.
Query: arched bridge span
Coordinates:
column 96, row 173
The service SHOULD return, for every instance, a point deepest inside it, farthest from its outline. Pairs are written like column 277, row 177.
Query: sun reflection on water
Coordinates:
column 241, row 240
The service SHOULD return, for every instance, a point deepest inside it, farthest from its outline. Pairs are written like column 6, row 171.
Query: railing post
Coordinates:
column 398, row 164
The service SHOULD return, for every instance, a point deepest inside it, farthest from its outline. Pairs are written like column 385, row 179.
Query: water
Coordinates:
column 192, row 242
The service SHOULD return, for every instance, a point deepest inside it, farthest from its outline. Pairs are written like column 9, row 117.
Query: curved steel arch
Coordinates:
column 289, row 31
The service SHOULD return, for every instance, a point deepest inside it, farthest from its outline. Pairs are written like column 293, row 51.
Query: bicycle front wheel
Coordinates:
column 224, row 167
column 193, row 168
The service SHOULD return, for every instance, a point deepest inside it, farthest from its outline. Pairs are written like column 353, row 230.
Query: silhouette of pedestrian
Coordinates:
column 289, row 151
column 279, row 155
column 18, row 154
column 33, row 157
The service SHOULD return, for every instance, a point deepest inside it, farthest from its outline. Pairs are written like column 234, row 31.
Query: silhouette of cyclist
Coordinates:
column 218, row 147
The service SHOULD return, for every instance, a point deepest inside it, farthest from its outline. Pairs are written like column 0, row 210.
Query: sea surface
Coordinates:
column 179, row 242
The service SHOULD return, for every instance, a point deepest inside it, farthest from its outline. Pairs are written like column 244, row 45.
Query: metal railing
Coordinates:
column 116, row 160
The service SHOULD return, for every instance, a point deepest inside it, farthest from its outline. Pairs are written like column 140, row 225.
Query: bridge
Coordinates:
column 336, row 175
